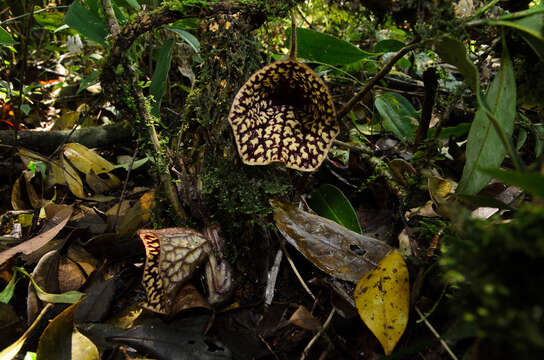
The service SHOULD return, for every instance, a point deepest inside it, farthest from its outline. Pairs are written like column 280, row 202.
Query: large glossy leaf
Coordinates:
column 484, row 146
column 86, row 22
column 334, row 249
column 330, row 202
column 382, row 298
column 531, row 28
column 388, row 45
column 398, row 114
column 454, row 52
column 532, row 24
column 531, row 182
column 317, row 46
column 5, row 37
column 187, row 37
column 158, row 81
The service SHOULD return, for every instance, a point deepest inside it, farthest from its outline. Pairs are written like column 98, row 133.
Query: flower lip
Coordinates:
column 284, row 113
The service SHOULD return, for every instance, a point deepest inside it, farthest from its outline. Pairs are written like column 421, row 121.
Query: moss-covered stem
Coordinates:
column 164, row 172
column 145, row 115
column 113, row 25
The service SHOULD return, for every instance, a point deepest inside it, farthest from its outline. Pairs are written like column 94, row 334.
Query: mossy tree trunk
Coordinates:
column 213, row 184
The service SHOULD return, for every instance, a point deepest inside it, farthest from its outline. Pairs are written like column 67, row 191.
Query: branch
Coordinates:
column 370, row 84
column 145, row 115
column 113, row 25
column 146, row 21
column 45, row 142
column 431, row 84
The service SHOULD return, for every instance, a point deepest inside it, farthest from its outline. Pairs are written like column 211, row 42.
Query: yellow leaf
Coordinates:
column 382, row 298
column 86, row 160
column 72, row 179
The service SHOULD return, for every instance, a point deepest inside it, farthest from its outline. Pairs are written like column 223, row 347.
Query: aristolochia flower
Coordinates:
column 284, row 113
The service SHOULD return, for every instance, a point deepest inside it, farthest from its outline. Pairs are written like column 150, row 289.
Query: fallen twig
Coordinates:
column 318, row 335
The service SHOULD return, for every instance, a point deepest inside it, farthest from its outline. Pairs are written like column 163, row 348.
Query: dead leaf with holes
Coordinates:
column 382, row 298
column 336, row 250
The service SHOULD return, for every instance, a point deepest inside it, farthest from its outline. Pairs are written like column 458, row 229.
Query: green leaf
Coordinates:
column 453, row 51
column 316, row 46
column 536, row 44
column 33, row 165
column 330, row 202
column 398, row 114
column 484, row 146
column 530, row 182
column 531, row 24
column 89, row 81
column 86, row 22
column 538, row 130
column 187, row 37
column 531, row 28
column 68, row 297
column 7, row 293
column 134, row 3
column 135, row 165
column 158, row 81
column 50, row 19
column 5, row 38
column 30, row 356
column 389, row 45
column 449, row 131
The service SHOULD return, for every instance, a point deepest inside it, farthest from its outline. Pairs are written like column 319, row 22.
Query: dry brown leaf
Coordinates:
column 58, row 216
column 17, row 199
column 304, row 319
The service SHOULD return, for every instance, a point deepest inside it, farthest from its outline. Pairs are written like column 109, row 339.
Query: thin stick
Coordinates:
column 318, row 335
column 435, row 333
column 293, row 50
column 430, row 79
column 380, row 75
column 361, row 148
column 269, row 347
column 485, row 8
column 123, row 192
column 296, row 271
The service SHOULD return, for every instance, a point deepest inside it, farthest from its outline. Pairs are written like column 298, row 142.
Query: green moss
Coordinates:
column 498, row 273
column 183, row 5
column 241, row 193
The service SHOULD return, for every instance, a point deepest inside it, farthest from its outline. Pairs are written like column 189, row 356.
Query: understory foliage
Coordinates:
column 493, row 269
